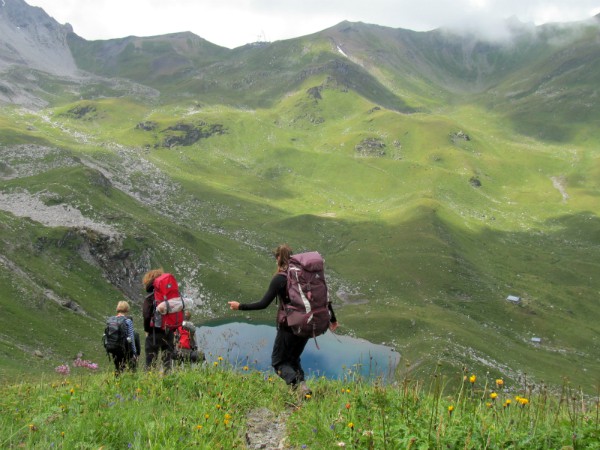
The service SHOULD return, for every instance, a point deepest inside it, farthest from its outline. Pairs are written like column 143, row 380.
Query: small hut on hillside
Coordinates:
column 513, row 299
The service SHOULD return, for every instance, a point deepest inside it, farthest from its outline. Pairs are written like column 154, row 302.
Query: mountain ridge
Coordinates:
column 458, row 64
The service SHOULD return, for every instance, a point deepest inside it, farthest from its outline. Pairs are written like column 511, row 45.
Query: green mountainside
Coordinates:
column 437, row 174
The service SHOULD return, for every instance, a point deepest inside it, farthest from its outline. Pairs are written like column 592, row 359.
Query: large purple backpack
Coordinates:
column 307, row 313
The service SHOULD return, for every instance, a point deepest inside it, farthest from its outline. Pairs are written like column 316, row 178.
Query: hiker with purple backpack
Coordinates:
column 295, row 327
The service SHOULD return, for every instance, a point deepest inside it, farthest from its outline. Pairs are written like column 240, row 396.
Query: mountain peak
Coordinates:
column 34, row 39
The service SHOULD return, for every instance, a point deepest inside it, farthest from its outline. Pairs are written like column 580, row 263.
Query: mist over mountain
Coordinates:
column 438, row 172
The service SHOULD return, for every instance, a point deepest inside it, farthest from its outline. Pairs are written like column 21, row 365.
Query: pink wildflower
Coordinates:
column 63, row 370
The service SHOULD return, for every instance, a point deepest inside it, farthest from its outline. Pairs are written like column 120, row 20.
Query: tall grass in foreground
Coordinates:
column 435, row 415
column 208, row 406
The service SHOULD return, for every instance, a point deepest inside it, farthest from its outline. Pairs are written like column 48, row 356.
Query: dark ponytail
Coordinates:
column 284, row 253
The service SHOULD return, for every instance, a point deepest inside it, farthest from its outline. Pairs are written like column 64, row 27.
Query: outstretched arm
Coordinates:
column 277, row 284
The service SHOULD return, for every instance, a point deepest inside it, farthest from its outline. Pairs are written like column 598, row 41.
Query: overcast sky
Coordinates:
column 232, row 23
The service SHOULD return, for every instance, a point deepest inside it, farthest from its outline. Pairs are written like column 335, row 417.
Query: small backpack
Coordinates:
column 168, row 305
column 307, row 313
column 115, row 335
column 183, row 338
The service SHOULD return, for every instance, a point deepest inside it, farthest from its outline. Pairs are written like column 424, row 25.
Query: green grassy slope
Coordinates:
column 427, row 220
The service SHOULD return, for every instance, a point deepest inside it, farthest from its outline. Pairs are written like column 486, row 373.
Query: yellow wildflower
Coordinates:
column 499, row 382
column 493, row 395
column 472, row 379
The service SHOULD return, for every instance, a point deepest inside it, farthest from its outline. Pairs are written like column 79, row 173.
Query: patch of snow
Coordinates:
column 339, row 49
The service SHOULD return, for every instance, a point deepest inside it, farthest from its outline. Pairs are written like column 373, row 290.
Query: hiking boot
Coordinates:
column 304, row 391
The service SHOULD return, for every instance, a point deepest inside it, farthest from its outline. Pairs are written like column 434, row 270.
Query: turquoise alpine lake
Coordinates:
column 333, row 356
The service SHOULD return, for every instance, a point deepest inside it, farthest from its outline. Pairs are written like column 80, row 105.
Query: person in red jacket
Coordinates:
column 186, row 349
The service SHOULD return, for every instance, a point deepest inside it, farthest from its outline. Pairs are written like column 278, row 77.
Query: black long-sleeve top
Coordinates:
column 148, row 310
column 277, row 289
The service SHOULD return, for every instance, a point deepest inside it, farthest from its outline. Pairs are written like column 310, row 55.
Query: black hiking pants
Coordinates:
column 285, row 358
column 124, row 360
column 159, row 340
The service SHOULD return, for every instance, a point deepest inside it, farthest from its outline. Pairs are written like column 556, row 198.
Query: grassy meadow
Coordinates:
column 219, row 406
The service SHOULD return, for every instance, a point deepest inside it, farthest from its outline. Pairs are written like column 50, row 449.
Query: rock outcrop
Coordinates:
column 33, row 39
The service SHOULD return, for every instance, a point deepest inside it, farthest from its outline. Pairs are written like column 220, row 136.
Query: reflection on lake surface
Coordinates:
column 245, row 344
